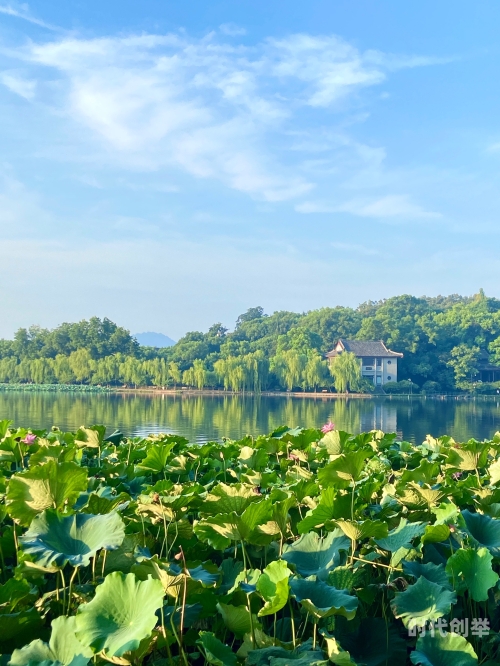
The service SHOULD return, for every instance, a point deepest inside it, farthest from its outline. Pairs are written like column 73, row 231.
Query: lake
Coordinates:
column 202, row 418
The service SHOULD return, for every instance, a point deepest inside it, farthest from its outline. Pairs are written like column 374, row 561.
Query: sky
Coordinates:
column 170, row 164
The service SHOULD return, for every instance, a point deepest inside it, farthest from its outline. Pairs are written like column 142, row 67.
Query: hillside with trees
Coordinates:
column 446, row 341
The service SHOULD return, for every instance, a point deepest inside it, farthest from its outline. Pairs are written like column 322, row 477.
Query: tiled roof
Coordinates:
column 365, row 348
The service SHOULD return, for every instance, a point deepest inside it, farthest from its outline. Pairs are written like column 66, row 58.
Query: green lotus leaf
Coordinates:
column 344, row 577
column 436, row 573
column 157, row 457
column 335, row 442
column 336, row 654
column 312, row 555
column 237, row 619
column 42, row 487
column 221, row 529
column 364, row 529
column 321, row 514
column 226, row 498
column 322, row 600
column 63, row 648
column 469, row 456
column 471, row 570
column 218, row 531
column 246, row 580
column 373, row 643
column 485, row 531
column 436, row 534
column 446, row 512
column 14, row 591
column 346, row 468
column 494, row 472
column 199, row 573
column 53, row 539
column 121, row 615
column 90, row 437
column 214, row 651
column 401, row 536
column 273, row 587
column 422, row 602
column 447, row 650
column 18, row 628
column 230, row 569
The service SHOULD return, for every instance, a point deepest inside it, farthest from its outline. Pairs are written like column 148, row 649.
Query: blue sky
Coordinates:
column 170, row 164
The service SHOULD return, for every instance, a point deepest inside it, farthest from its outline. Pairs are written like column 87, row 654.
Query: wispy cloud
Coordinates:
column 210, row 108
column 22, row 12
column 232, row 29
column 355, row 249
column 390, row 206
column 18, row 85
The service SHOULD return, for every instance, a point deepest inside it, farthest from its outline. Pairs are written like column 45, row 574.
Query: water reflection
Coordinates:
column 201, row 418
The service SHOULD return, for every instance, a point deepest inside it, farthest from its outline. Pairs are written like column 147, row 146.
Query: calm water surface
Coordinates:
column 202, row 418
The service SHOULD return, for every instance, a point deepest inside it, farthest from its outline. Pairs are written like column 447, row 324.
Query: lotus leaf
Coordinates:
column 401, row 536
column 322, row 600
column 312, row 555
column 273, row 586
column 237, row 619
column 46, row 486
column 347, row 468
column 214, row 651
column 374, row 643
column 422, row 602
column 436, row 573
column 471, row 570
column 63, row 648
column 121, row 615
column 447, row 650
column 54, row 539
column 485, row 531
column 364, row 529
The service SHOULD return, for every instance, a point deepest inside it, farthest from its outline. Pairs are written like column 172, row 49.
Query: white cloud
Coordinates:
column 22, row 12
column 355, row 249
column 210, row 108
column 390, row 206
column 16, row 84
column 232, row 29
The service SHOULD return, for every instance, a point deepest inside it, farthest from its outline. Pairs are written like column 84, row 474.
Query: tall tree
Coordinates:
column 346, row 371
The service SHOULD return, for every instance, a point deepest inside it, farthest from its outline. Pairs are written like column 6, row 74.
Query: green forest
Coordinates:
column 447, row 342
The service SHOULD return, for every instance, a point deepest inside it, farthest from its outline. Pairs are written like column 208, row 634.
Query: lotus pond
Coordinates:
column 298, row 548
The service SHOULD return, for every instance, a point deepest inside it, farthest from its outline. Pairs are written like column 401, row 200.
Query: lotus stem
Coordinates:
column 71, row 589
column 63, row 580
column 292, row 622
column 377, row 564
column 103, row 562
column 252, row 630
column 315, row 634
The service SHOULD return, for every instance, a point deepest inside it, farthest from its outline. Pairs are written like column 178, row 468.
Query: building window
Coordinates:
column 389, row 362
column 389, row 378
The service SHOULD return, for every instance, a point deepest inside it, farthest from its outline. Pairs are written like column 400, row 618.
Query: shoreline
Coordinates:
column 76, row 389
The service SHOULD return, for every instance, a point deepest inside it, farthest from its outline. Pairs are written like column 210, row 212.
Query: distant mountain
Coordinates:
column 154, row 340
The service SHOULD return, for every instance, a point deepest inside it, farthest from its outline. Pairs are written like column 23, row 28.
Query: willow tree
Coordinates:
column 346, row 371
column 315, row 371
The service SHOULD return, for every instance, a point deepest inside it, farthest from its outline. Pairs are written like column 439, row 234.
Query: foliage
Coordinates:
column 346, row 371
column 446, row 342
column 290, row 548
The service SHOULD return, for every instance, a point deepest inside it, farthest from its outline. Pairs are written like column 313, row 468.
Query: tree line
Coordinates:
column 446, row 341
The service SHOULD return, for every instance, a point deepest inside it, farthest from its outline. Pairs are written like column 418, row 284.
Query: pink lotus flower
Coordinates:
column 328, row 427
column 29, row 439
